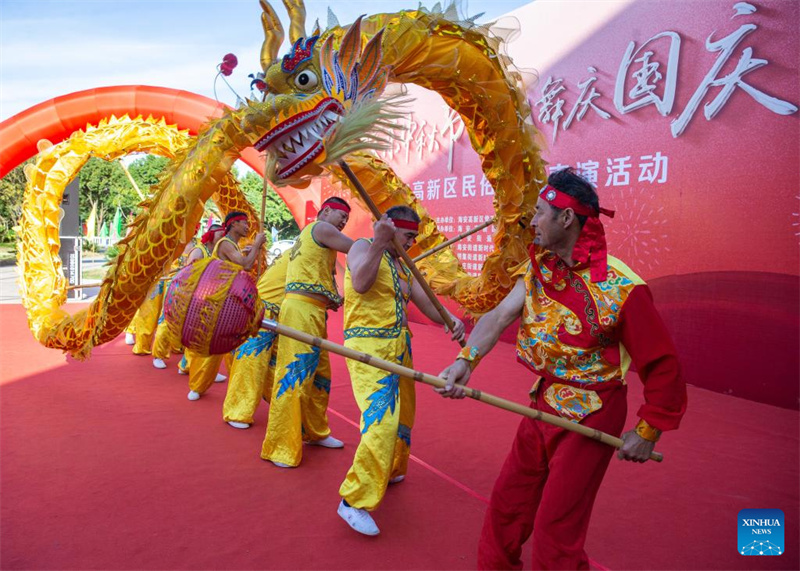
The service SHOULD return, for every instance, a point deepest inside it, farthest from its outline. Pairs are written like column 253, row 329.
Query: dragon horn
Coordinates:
column 350, row 49
column 370, row 59
column 273, row 35
column 297, row 18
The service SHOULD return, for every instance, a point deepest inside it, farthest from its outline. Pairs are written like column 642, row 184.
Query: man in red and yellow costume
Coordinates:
column 585, row 318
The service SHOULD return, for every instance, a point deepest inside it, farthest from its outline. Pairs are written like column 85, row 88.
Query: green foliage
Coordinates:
column 145, row 171
column 12, row 192
column 276, row 213
column 105, row 184
column 112, row 252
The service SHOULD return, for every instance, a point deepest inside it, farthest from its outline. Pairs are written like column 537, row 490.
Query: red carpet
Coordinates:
column 107, row 465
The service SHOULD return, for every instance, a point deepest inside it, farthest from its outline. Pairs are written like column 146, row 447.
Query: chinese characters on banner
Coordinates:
column 623, row 109
column 639, row 81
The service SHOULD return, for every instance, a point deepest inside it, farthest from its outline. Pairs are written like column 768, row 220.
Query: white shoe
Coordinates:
column 130, row 339
column 327, row 442
column 235, row 424
column 182, row 371
column 159, row 364
column 282, row 465
column 397, row 479
column 220, row 378
column 193, row 395
column 358, row 519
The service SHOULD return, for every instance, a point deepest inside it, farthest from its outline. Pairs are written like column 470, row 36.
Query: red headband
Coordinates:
column 233, row 219
column 336, row 206
column 209, row 235
column 406, row 224
column 591, row 244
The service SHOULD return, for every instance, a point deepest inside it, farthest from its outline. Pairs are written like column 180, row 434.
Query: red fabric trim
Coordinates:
column 232, row 220
column 591, row 245
column 335, row 206
column 406, row 224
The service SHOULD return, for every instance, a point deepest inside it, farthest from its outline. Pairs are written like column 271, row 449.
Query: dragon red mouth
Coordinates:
column 298, row 140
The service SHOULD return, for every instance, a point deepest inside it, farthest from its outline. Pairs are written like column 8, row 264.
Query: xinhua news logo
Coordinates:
column 761, row 532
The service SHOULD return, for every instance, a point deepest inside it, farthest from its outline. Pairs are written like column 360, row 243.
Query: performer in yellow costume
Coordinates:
column 145, row 321
column 207, row 245
column 299, row 403
column 253, row 369
column 377, row 288
column 161, row 345
column 204, row 370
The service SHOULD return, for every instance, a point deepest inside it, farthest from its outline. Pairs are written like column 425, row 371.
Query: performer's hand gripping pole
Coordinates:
column 451, row 241
column 440, row 383
column 398, row 246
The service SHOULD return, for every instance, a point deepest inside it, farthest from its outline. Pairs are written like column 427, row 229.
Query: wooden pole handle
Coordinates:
column 440, row 383
column 399, row 247
column 261, row 218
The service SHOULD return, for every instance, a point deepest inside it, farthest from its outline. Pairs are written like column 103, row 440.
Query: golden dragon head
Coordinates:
column 323, row 99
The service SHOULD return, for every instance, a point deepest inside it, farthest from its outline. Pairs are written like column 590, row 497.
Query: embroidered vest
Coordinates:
column 568, row 329
column 380, row 311
column 311, row 267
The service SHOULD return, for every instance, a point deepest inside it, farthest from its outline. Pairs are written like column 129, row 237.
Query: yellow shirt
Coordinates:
column 311, row 267
column 215, row 253
column 272, row 284
column 381, row 310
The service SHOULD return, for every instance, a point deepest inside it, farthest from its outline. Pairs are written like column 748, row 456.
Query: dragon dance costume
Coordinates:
column 373, row 324
column 581, row 328
column 145, row 322
column 253, row 369
column 161, row 344
column 203, row 369
column 299, row 402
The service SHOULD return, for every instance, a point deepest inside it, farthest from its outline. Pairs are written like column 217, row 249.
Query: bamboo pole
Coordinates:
column 263, row 211
column 451, row 241
column 84, row 286
column 133, row 182
column 400, row 250
column 440, row 383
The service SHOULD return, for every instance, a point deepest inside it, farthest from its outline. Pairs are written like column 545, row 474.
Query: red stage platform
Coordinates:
column 107, row 465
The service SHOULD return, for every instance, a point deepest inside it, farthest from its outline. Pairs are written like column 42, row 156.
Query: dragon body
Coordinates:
column 326, row 101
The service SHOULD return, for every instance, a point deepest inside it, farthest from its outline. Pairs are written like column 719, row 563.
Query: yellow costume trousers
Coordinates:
column 298, row 409
column 146, row 320
column 202, row 370
column 161, row 345
column 388, row 405
column 251, row 377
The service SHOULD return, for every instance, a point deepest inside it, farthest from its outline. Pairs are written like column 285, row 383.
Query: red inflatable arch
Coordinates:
column 58, row 118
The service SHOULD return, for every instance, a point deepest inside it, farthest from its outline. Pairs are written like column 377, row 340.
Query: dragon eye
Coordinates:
column 306, row 80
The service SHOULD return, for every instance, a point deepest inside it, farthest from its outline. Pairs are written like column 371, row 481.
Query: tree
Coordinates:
column 146, row 171
column 12, row 193
column 276, row 213
column 104, row 184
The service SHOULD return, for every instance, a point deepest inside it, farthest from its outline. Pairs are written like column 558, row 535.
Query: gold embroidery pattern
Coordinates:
column 572, row 403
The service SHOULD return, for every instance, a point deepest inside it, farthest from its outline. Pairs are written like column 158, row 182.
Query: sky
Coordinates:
column 53, row 47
